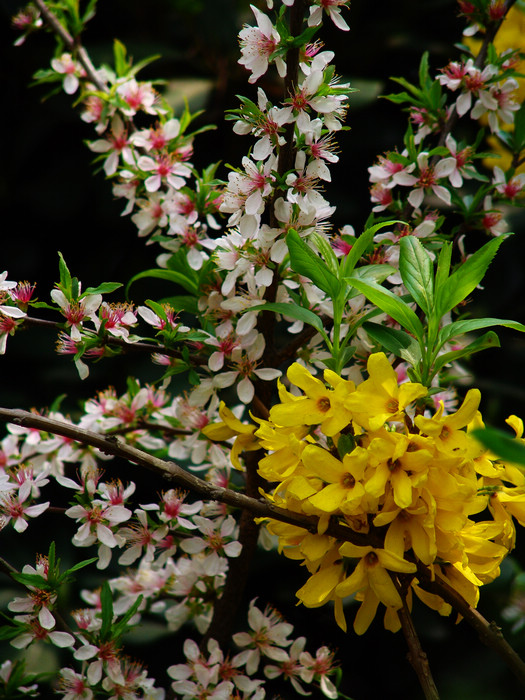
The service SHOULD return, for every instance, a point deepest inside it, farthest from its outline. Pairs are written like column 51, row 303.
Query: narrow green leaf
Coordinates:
column 487, row 340
column 170, row 275
column 293, row 311
column 457, row 328
column 417, row 273
column 106, row 604
column 501, row 444
column 104, row 288
column 305, row 262
column 466, row 277
column 65, row 275
column 395, row 341
column 443, row 266
column 392, row 305
column 183, row 303
column 80, row 565
column 362, row 243
column 121, row 626
column 35, row 580
column 326, row 250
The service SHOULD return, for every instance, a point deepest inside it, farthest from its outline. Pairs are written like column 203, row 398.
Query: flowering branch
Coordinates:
column 72, row 43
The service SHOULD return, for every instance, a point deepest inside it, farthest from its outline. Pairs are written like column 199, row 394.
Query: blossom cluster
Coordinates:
column 406, row 481
column 402, row 494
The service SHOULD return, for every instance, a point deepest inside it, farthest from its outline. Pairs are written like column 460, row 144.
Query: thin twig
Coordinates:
column 416, row 656
column 72, row 44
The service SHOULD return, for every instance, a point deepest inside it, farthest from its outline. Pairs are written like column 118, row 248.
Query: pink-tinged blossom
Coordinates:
column 35, row 632
column 117, row 319
column 472, row 81
column 381, row 196
column 153, row 213
column 13, row 508
column 290, row 669
column 73, row 685
column 116, row 144
column 96, row 111
column 509, row 188
column 388, row 170
column 138, row 96
column 428, row 179
column 216, row 538
column 165, row 169
column 268, row 635
column 97, row 522
column 332, row 9
column 257, row 45
column 157, row 138
column 141, row 539
column 463, row 158
column 493, row 221
column 498, row 103
column 71, row 70
column 102, row 659
column 246, row 191
column 318, row 668
column 76, row 311
column 265, row 126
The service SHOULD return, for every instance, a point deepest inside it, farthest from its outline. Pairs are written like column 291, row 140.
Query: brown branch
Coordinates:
column 416, row 656
column 113, row 341
column 171, row 472
column 72, row 43
column 488, row 632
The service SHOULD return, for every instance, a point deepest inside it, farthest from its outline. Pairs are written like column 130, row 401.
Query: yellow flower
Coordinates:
column 371, row 571
column 447, row 430
column 345, row 490
column 319, row 405
column 412, row 528
column 230, row 427
column 397, row 459
column 379, row 398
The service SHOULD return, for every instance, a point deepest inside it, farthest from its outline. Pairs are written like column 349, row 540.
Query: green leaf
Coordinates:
column 35, row 580
column 519, row 129
column 171, row 275
column 452, row 330
column 121, row 626
column 392, row 305
column 104, row 288
column 487, row 340
column 293, row 311
column 65, row 275
column 183, row 303
column 417, row 273
column 466, row 278
column 106, row 603
column 362, row 243
column 80, row 565
column 443, row 266
column 501, row 444
column 395, row 341
column 305, row 262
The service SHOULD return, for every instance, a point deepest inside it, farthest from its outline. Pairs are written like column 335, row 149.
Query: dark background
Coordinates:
column 50, row 202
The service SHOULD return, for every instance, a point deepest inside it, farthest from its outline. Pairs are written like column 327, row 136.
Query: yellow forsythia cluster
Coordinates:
column 420, row 488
